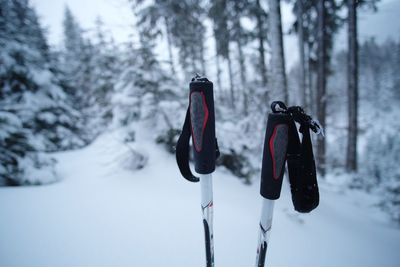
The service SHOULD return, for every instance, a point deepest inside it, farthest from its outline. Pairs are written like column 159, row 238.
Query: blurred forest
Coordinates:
column 61, row 98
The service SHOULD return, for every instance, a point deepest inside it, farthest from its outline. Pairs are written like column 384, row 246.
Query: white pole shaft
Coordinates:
column 206, row 189
column 207, row 211
column 267, row 211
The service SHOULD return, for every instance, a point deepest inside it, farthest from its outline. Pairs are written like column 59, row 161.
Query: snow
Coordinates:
column 101, row 214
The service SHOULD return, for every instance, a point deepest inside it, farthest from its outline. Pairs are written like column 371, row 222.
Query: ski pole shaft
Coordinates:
column 207, row 211
column 265, row 229
column 204, row 152
column 274, row 157
column 200, row 125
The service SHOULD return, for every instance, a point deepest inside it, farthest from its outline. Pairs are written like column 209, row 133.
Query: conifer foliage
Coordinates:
column 35, row 115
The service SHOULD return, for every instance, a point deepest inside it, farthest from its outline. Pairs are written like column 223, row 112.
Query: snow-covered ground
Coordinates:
column 101, row 214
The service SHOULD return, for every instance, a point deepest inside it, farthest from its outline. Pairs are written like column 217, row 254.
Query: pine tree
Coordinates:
column 261, row 17
column 351, row 159
column 220, row 17
column 35, row 114
column 89, row 70
column 147, row 93
column 156, row 20
column 278, row 75
column 352, row 78
column 299, row 6
column 105, row 70
column 188, row 35
column 72, row 58
column 184, row 28
column 321, row 22
column 237, row 9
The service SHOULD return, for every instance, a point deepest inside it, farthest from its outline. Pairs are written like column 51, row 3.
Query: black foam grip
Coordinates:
column 274, row 155
column 202, row 120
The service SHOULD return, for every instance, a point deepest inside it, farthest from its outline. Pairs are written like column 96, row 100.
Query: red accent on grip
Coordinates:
column 275, row 175
column 271, row 149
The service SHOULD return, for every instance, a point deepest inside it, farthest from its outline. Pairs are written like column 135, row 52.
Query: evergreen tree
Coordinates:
column 73, row 64
column 237, row 10
column 89, row 69
column 257, row 11
column 147, row 93
column 35, row 113
column 300, row 29
column 220, row 17
column 188, row 35
column 278, row 74
column 320, row 23
column 156, row 20
column 105, row 70
column 352, row 79
column 184, row 27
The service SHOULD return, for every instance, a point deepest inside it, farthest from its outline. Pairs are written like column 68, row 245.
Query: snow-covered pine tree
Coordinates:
column 278, row 72
column 352, row 80
column 299, row 9
column 146, row 92
column 89, row 71
column 219, row 16
column 71, row 55
column 156, row 20
column 258, row 13
column 305, row 27
column 35, row 112
column 185, row 29
column 105, row 70
column 321, row 22
column 379, row 168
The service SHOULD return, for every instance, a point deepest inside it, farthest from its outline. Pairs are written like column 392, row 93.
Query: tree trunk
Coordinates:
column 308, row 79
column 219, row 82
column 231, row 84
column 193, row 61
column 169, row 44
column 242, row 76
column 239, row 43
column 278, row 78
column 202, row 59
column 261, row 49
column 352, row 78
column 311, row 85
column 308, row 70
column 321, row 84
column 300, row 33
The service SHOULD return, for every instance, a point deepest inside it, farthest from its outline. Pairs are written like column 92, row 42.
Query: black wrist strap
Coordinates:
column 182, row 150
column 300, row 157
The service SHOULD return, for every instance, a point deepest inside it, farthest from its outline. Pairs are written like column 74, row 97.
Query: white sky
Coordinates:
column 118, row 18
column 116, row 15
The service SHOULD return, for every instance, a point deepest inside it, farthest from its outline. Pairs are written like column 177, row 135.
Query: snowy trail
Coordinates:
column 103, row 215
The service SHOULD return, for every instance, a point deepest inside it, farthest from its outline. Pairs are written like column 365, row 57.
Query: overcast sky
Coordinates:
column 118, row 18
column 116, row 14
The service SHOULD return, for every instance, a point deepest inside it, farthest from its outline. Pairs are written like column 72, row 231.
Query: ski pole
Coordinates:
column 207, row 211
column 200, row 124
column 282, row 143
column 274, row 157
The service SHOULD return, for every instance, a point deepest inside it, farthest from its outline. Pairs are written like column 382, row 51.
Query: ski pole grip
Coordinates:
column 274, row 155
column 202, row 120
